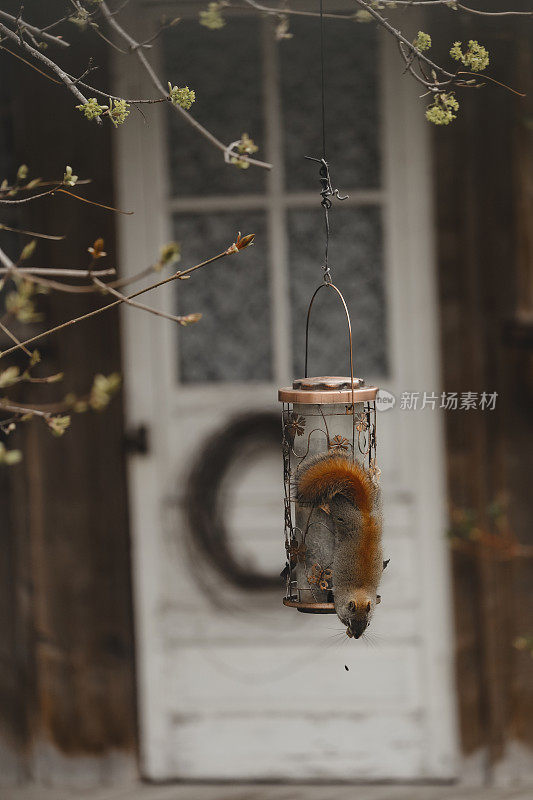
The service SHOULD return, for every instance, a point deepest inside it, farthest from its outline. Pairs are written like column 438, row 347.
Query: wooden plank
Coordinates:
column 483, row 182
column 69, row 562
column 292, row 791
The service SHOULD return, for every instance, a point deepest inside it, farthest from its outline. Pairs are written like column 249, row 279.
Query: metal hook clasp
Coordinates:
column 327, row 190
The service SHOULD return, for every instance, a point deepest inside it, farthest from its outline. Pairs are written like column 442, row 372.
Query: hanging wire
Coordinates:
column 327, row 191
column 323, row 81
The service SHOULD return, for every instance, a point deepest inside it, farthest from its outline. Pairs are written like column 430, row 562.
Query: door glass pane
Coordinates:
column 356, row 262
column 352, row 118
column 232, row 340
column 224, row 69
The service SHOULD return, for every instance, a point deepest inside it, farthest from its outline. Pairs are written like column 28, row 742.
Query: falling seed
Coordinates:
column 346, row 668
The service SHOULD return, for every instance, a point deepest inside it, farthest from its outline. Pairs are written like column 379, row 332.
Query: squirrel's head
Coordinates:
column 354, row 608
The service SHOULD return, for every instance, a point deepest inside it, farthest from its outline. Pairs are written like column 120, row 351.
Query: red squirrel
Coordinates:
column 346, row 492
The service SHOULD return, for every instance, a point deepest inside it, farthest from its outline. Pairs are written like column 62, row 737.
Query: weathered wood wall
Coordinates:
column 483, row 171
column 66, row 632
column 67, row 693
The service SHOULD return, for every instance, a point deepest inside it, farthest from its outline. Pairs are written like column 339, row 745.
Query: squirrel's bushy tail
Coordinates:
column 358, row 562
column 330, row 474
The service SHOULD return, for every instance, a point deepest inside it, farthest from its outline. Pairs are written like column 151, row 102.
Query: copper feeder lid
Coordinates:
column 327, row 390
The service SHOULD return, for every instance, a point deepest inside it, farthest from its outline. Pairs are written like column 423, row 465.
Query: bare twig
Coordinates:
column 107, row 288
column 29, row 64
column 282, row 11
column 99, row 33
column 29, row 199
column 4, row 227
column 33, row 276
column 494, row 13
column 176, row 276
column 93, row 202
column 37, row 31
column 18, row 409
column 6, row 261
column 66, row 288
column 58, row 271
column 14, row 338
column 446, row 4
column 121, row 282
column 290, row 11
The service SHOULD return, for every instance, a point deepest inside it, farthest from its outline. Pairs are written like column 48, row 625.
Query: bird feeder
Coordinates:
column 320, row 415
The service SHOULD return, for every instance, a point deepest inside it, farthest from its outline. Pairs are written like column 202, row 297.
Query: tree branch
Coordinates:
column 18, row 409
column 37, row 31
column 14, row 338
column 134, row 47
column 290, row 11
column 401, row 38
column 446, row 3
column 38, row 56
column 58, row 271
column 180, row 275
column 110, row 290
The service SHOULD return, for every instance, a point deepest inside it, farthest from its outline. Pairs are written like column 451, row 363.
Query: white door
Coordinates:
column 232, row 685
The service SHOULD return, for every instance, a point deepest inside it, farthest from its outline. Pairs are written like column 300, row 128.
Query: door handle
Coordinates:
column 136, row 440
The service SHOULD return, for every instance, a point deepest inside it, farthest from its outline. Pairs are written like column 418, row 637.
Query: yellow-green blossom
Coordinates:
column 19, row 303
column 422, row 41
column 211, row 17
column 239, row 162
column 181, row 96
column 59, row 424
column 118, row 111
column 81, row 18
column 247, row 145
column 103, row 389
column 476, row 57
column 92, row 109
column 9, row 376
column 9, row 457
column 524, row 643
column 440, row 112
column 169, row 254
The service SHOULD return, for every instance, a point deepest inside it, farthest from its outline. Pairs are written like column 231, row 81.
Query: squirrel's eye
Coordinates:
column 340, row 519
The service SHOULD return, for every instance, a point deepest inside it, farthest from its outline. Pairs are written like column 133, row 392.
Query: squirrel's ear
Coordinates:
column 325, row 508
